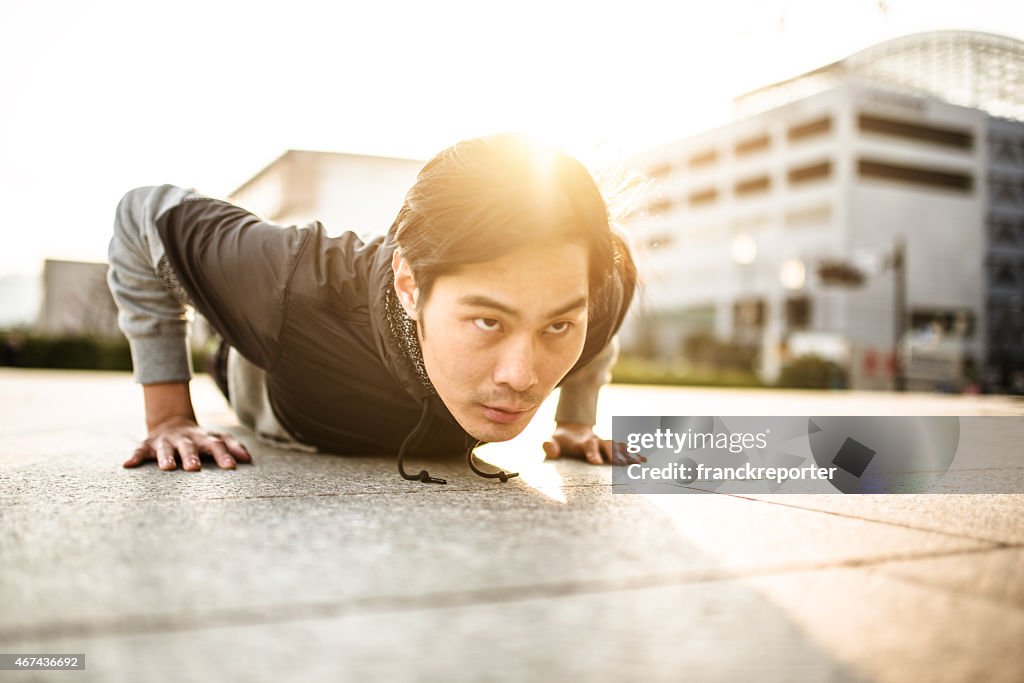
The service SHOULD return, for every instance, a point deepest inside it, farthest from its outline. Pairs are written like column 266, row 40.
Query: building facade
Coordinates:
column 868, row 212
column 354, row 192
column 76, row 301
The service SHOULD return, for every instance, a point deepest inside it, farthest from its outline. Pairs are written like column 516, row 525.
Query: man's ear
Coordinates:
column 405, row 284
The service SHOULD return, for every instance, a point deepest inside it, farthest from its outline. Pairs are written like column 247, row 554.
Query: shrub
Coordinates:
column 633, row 370
column 812, row 372
column 75, row 352
column 704, row 349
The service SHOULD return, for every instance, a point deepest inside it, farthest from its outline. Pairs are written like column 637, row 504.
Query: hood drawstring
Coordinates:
column 500, row 474
column 423, row 475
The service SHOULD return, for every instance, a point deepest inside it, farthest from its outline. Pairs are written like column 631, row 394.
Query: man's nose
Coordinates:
column 516, row 366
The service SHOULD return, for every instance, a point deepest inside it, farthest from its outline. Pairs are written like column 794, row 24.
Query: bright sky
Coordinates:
column 100, row 97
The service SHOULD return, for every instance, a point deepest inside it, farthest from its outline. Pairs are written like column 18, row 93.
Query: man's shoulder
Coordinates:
column 339, row 270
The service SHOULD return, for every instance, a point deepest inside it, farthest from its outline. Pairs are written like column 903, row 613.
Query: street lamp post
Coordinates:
column 843, row 274
column 897, row 262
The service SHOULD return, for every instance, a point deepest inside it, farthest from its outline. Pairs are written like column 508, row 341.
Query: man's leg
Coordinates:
column 247, row 394
column 218, row 368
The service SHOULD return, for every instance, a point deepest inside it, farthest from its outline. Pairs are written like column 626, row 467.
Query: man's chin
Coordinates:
column 497, row 433
column 494, row 432
column 492, row 425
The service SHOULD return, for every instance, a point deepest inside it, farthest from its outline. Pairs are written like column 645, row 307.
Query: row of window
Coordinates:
column 948, row 180
column 747, row 146
column 938, row 135
column 747, row 187
column 941, row 179
column 950, row 137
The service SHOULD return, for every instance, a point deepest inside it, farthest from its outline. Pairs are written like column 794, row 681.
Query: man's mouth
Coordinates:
column 504, row 415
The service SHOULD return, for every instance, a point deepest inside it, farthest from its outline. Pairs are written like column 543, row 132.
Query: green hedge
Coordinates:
column 74, row 352
column 89, row 353
column 633, row 370
column 805, row 372
column 813, row 372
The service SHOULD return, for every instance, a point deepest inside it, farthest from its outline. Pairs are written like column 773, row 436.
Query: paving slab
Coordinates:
column 322, row 567
column 139, row 560
column 667, row 400
column 998, row 518
column 801, row 626
column 892, row 629
column 994, row 575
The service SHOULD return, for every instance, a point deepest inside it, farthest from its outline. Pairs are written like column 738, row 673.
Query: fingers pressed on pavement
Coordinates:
column 190, row 461
column 165, row 456
column 215, row 447
column 551, row 450
column 236, row 448
column 618, row 455
column 141, row 454
column 593, row 452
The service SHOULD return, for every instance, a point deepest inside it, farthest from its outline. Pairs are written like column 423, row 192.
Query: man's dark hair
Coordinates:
column 485, row 197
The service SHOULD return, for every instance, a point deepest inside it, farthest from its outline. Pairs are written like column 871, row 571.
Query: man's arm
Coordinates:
column 577, row 403
column 152, row 313
column 152, row 316
column 577, row 413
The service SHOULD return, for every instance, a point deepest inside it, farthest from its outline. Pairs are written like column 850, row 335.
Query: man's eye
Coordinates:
column 486, row 324
column 559, row 327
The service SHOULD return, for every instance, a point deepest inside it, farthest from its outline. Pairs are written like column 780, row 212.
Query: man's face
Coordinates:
column 498, row 336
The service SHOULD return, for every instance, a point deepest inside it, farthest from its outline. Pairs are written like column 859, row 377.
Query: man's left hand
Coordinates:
column 579, row 440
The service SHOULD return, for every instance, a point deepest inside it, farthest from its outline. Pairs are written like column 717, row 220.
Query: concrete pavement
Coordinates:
column 317, row 567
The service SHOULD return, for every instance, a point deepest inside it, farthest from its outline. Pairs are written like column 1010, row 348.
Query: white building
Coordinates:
column 354, row 192
column 76, row 300
column 902, row 141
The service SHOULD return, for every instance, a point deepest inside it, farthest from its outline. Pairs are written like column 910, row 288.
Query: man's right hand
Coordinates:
column 188, row 440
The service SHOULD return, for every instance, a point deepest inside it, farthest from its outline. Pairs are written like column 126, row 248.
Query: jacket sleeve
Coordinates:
column 236, row 270
column 152, row 316
column 577, row 401
column 174, row 247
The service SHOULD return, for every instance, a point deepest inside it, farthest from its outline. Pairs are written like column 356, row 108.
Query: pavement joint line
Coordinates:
column 203, row 499
column 953, row 534
column 917, row 581
column 443, row 490
column 413, row 490
column 393, row 604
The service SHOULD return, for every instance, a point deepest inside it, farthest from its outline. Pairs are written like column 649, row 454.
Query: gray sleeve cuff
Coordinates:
column 151, row 313
column 161, row 359
column 577, row 402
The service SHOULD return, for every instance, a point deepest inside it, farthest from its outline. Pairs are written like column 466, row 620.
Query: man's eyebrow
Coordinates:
column 487, row 302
